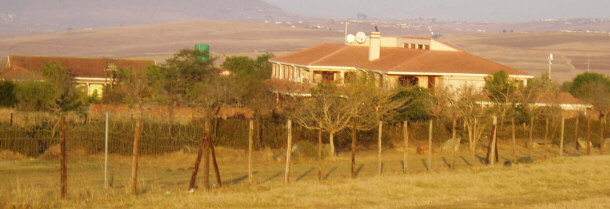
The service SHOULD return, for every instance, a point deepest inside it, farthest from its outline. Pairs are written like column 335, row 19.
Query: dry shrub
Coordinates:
column 7, row 155
column 54, row 153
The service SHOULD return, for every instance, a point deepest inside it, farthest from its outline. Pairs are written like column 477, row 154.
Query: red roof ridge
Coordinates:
column 328, row 55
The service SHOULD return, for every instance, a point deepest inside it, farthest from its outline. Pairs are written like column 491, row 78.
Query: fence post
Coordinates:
column 198, row 159
column 514, row 141
column 136, row 156
column 491, row 152
column 11, row 118
column 288, row 152
column 588, row 135
column 454, row 144
column 531, row 137
column 64, row 166
column 602, row 126
column 215, row 163
column 561, row 138
column 354, row 141
column 380, row 132
column 106, row 154
column 576, row 133
column 250, row 149
column 405, row 135
column 430, row 145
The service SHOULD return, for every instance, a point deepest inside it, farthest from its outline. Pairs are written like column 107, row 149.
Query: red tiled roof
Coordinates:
column 30, row 66
column 396, row 59
column 559, row 98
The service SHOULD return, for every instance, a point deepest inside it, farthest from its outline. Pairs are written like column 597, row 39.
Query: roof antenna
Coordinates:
column 376, row 29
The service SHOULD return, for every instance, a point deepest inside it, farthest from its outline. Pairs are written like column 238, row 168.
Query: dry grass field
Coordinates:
column 574, row 52
column 160, row 41
column 550, row 182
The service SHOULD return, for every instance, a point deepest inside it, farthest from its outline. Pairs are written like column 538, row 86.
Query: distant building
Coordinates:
column 89, row 74
column 406, row 61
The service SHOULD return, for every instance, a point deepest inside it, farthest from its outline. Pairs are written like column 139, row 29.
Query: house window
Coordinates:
column 426, row 47
column 408, row 81
column 413, row 46
column 328, row 76
column 420, row 46
column 431, row 82
column 405, row 45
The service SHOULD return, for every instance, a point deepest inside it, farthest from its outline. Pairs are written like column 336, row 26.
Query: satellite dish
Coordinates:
column 361, row 37
column 350, row 38
column 551, row 57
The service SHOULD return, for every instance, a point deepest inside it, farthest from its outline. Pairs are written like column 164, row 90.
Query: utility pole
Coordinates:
column 550, row 64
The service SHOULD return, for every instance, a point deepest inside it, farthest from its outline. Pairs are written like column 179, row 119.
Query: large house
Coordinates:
column 89, row 74
column 408, row 61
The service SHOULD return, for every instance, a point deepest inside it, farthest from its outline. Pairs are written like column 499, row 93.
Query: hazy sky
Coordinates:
column 471, row 10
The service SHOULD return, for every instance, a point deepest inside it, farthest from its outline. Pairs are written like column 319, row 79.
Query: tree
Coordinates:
column 595, row 89
column 501, row 91
column 7, row 93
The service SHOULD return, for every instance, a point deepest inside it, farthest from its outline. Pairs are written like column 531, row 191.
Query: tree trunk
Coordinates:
column 136, row 156
column 320, row 148
column 588, row 135
column 203, row 149
column 354, row 141
column 405, row 156
column 430, row 145
column 491, row 151
column 530, row 137
column 454, row 144
column 250, row 150
column 576, row 134
column 64, row 160
column 514, row 140
column 288, row 152
column 379, row 135
column 561, row 137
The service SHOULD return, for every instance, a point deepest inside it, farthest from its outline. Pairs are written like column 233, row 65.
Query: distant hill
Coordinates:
column 76, row 14
column 160, row 41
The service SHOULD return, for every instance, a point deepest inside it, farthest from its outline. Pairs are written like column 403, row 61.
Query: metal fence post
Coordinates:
column 106, row 154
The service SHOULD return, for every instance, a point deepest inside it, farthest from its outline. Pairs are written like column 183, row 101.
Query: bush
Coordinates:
column 7, row 93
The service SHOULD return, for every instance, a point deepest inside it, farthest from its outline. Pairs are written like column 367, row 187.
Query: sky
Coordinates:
column 459, row 10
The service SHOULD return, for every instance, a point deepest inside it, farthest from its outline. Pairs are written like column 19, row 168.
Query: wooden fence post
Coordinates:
column 561, row 137
column 546, row 132
column 491, row 152
column 64, row 160
column 320, row 148
column 215, row 163
column 588, row 135
column 202, row 149
column 288, row 152
column 206, row 154
column 576, row 133
column 531, row 137
column 454, row 144
column 11, row 118
column 250, row 149
column 430, row 145
column 602, row 126
column 514, row 140
column 379, row 135
column 136, row 156
column 354, row 141
column 405, row 135
column 106, row 153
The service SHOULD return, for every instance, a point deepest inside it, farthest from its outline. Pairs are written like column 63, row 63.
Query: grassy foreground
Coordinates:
column 562, row 182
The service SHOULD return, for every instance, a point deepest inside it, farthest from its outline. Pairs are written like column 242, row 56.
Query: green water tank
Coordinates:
column 204, row 48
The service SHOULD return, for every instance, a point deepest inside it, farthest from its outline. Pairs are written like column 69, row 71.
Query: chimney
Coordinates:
column 375, row 46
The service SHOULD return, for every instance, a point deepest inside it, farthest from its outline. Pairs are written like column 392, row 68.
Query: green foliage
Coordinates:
column 36, row 95
column 415, row 107
column 248, row 76
column 583, row 83
column 7, row 94
column 499, row 87
column 66, row 97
